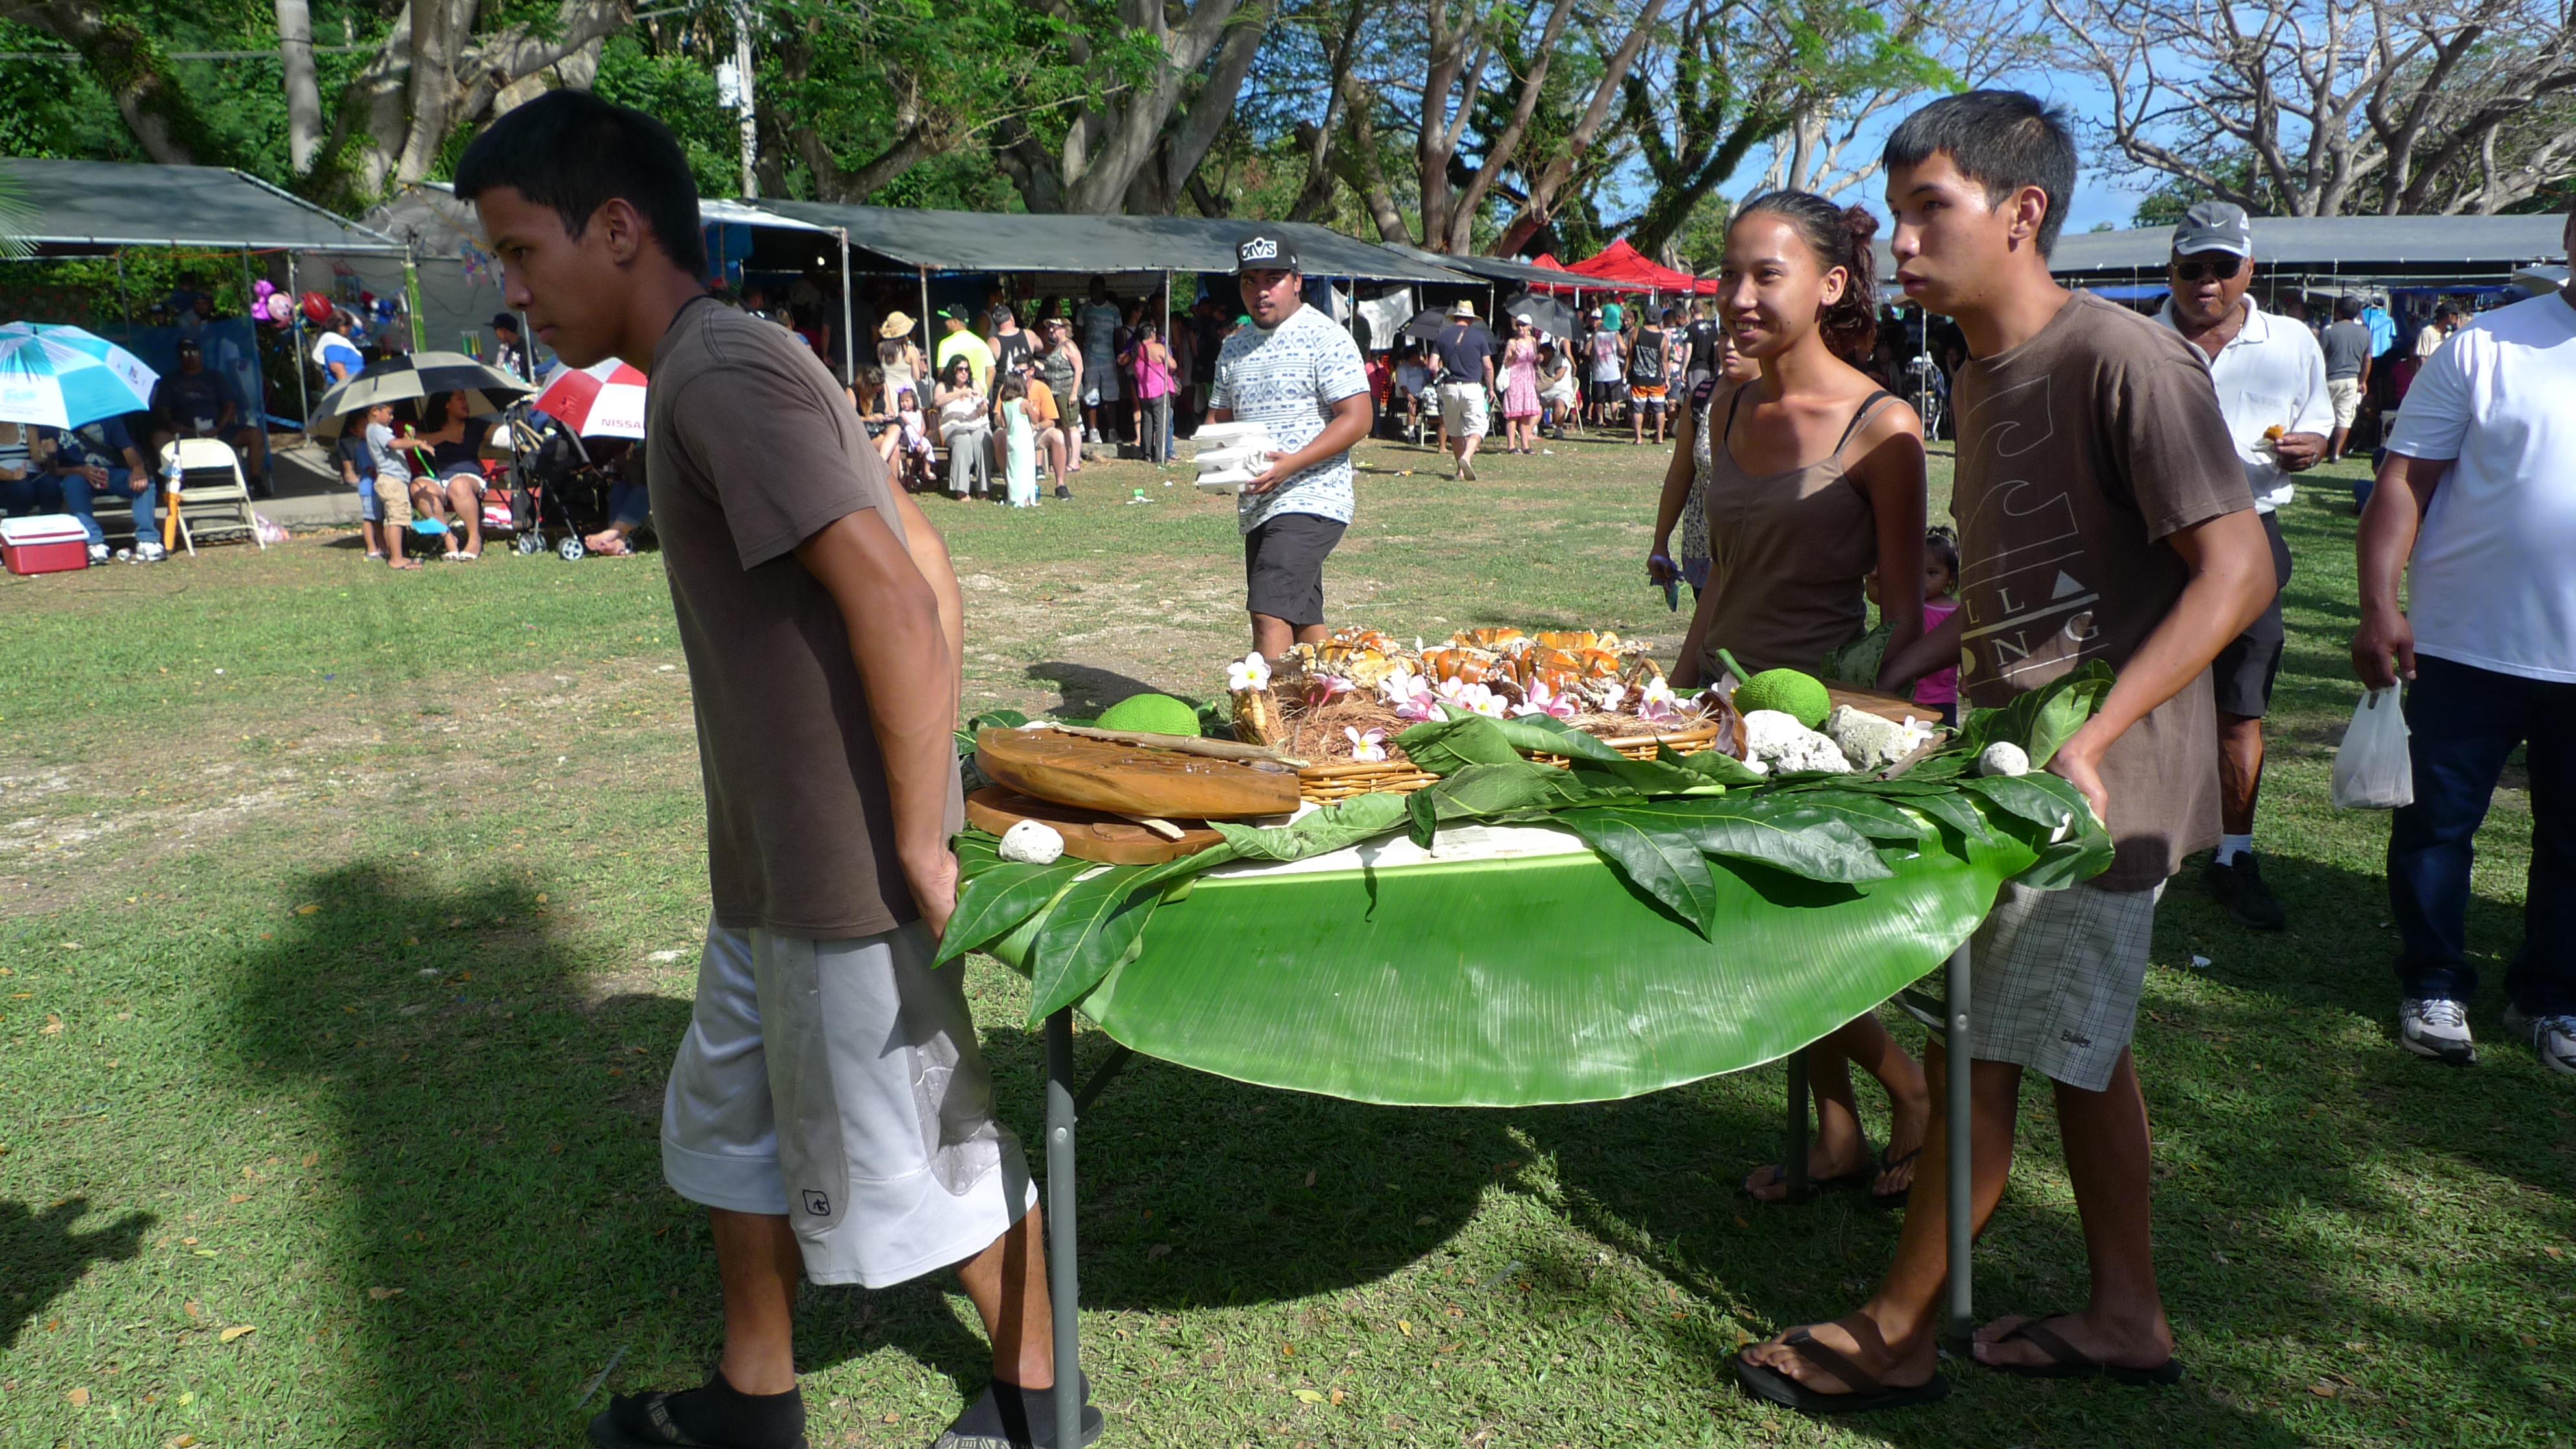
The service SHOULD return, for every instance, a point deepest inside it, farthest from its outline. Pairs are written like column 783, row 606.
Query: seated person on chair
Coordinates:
column 194, row 402
column 25, row 486
column 99, row 459
column 451, row 487
column 629, row 505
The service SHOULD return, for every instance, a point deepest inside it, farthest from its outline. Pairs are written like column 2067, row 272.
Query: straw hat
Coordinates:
column 1462, row 309
column 896, row 325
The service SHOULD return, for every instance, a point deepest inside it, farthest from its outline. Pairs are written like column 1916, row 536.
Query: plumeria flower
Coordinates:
column 1613, row 693
column 1543, row 700
column 1473, row 698
column 1420, row 709
column 1655, row 701
column 1366, row 749
column 1250, row 672
column 1401, row 684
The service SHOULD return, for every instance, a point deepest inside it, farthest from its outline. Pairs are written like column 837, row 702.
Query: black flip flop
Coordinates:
column 1885, row 1166
column 1867, row 1394
column 2066, row 1361
column 1780, row 1174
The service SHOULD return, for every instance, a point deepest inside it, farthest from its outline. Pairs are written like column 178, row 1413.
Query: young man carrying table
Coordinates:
column 2102, row 515
column 830, row 1106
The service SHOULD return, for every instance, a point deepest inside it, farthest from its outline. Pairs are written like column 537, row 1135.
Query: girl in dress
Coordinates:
column 1019, row 444
column 1520, row 387
column 1811, row 477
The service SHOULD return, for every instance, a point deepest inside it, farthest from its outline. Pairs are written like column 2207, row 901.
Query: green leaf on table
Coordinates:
column 1661, row 862
column 1088, row 930
column 1441, row 746
column 994, row 900
column 2079, row 857
column 1867, row 815
column 1722, row 769
column 2044, row 718
column 976, row 851
column 1361, row 817
column 1955, row 811
column 1548, row 735
column 2038, row 797
column 1779, row 832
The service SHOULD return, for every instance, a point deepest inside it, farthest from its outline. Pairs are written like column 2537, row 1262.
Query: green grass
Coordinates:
column 370, row 951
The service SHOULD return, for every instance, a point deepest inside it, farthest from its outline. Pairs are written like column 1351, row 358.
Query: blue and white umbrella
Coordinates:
column 62, row 377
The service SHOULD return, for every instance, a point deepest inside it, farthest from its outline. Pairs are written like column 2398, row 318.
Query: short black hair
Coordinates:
column 2003, row 141
column 2348, row 307
column 570, row 150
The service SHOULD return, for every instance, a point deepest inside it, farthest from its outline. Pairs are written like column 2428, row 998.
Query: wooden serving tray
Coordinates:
column 1088, row 834
column 1125, row 779
column 1885, row 706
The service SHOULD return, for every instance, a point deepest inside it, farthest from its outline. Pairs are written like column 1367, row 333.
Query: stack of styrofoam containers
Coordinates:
column 1232, row 454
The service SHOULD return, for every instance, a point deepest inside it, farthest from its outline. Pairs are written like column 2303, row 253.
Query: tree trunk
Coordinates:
column 1158, row 189
column 1137, row 123
column 1462, row 214
column 1453, row 56
column 130, row 66
column 1541, row 206
column 303, row 91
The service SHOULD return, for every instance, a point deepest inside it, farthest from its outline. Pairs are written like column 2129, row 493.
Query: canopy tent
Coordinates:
column 1491, row 269
column 2351, row 248
column 118, row 204
column 888, row 238
column 1622, row 262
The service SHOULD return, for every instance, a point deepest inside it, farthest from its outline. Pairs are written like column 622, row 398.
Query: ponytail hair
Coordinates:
column 1839, row 236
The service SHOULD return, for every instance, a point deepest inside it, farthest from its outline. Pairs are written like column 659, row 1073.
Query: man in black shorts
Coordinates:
column 1302, row 377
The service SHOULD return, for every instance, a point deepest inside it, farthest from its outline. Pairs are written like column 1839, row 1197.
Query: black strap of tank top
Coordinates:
column 1859, row 415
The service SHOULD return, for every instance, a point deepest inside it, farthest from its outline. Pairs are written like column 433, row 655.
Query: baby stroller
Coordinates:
column 558, row 495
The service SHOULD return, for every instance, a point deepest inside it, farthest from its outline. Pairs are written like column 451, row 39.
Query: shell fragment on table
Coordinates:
column 1032, row 843
column 1872, row 742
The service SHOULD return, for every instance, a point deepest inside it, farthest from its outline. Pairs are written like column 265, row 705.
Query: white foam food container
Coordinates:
column 1229, row 435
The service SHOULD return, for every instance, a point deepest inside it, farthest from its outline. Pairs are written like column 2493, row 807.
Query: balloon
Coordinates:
column 317, row 308
column 261, row 288
column 279, row 307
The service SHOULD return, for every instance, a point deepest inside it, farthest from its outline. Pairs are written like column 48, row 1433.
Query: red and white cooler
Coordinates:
column 47, row 543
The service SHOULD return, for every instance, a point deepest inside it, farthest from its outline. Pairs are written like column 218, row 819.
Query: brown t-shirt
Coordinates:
column 752, row 450
column 2079, row 451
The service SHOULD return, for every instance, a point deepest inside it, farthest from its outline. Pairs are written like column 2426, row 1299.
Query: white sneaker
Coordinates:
column 125, row 555
column 98, row 553
column 2436, row 1027
column 2553, row 1038
column 149, row 553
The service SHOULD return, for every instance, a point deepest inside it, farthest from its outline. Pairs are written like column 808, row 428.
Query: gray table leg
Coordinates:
column 1063, row 1276
column 1962, row 1315
column 1793, row 1161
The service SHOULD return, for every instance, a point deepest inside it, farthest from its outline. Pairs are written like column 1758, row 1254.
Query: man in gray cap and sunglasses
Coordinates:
column 2271, row 381
column 1301, row 376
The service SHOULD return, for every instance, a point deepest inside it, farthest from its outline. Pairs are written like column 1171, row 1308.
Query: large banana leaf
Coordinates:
column 1652, row 941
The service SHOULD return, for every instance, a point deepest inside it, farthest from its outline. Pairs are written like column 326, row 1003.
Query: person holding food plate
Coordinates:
column 1301, row 377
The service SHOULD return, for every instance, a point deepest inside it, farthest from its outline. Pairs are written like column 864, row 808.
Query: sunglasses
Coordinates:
column 2191, row 271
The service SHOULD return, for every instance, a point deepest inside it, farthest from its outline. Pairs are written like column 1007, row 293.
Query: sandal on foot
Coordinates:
column 1865, row 1394
column 650, row 1420
column 2066, row 1361
column 1780, row 1173
column 1887, row 1165
column 1006, row 1416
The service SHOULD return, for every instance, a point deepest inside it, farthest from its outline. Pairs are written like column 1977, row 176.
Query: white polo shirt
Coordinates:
column 2270, row 373
column 2493, row 580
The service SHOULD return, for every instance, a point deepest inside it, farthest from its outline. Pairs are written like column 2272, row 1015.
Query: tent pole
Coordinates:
column 849, row 343
column 295, row 330
column 929, row 339
column 259, row 403
column 411, row 299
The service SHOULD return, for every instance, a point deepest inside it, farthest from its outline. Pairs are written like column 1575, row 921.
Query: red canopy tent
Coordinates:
column 1580, row 281
column 1620, row 262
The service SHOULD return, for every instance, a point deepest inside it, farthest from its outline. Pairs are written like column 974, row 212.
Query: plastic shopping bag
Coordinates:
column 2373, row 771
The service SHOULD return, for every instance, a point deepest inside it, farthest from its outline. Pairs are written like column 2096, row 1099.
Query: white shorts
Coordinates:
column 2054, row 978
column 1099, row 381
column 890, row 1165
column 1462, row 409
column 2344, row 394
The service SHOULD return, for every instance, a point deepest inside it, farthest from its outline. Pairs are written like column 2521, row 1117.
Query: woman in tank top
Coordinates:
column 1809, row 477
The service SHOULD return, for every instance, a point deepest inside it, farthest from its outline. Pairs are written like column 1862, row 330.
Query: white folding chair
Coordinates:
column 213, row 498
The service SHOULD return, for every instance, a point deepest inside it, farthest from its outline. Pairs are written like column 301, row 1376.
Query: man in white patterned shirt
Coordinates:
column 1301, row 376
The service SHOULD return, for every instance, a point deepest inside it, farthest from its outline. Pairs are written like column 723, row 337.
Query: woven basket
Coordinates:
column 1330, row 784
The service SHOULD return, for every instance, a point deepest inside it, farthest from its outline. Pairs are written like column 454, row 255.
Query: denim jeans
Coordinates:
column 2465, row 722
column 78, row 495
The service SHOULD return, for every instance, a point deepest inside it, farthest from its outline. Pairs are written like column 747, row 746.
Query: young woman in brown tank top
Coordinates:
column 1806, row 478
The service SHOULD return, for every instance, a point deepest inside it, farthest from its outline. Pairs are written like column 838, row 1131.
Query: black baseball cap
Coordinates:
column 1265, row 251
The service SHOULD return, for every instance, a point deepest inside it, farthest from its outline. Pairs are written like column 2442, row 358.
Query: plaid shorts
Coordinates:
column 2055, row 977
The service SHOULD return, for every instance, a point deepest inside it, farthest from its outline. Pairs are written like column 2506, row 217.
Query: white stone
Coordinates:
column 1032, row 843
column 1872, row 742
column 2003, row 757
column 1775, row 738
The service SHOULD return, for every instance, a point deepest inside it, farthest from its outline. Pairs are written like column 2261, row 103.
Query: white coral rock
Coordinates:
column 1032, row 842
column 1778, row 740
column 2003, row 757
column 1870, row 741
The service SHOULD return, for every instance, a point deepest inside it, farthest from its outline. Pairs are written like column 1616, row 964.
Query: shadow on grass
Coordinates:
column 1085, row 690
column 495, row 1228
column 42, row 1254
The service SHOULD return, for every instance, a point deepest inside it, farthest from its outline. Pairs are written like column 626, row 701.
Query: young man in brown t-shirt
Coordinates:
column 830, row 1105
column 2102, row 515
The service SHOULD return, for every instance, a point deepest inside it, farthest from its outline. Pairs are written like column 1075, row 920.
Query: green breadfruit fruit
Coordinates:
column 1802, row 697
column 1157, row 714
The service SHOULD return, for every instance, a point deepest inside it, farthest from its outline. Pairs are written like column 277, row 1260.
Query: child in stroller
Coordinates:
column 582, row 495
